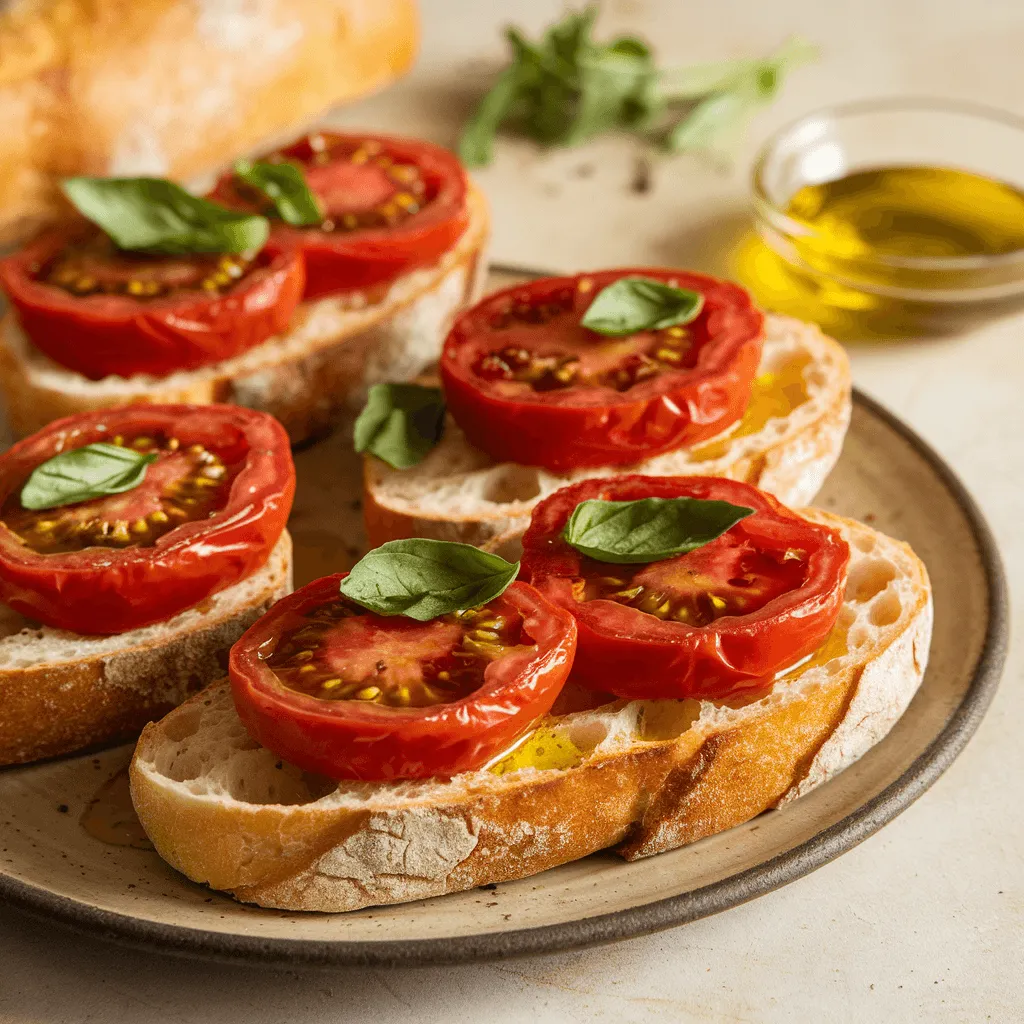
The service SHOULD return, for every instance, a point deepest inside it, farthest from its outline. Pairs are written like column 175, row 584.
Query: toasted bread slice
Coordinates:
column 61, row 692
column 642, row 776
column 787, row 443
column 335, row 349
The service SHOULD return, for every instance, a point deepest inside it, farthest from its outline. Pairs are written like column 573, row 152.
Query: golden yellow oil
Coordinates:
column 545, row 748
column 933, row 212
column 772, row 395
column 856, row 269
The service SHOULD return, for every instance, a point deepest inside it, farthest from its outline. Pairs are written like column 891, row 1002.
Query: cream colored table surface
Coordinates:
column 923, row 922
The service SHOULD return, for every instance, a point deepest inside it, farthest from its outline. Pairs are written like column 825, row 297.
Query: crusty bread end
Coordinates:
column 61, row 692
column 645, row 776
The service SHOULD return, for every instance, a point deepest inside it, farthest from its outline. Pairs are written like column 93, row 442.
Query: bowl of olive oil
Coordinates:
column 890, row 217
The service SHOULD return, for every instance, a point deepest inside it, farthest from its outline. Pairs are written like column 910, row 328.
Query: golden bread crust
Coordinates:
column 72, row 697
column 129, row 87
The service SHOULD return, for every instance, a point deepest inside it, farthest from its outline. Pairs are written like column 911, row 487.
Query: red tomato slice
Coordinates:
column 207, row 515
column 528, row 384
column 343, row 692
column 101, row 312
column 712, row 624
column 390, row 205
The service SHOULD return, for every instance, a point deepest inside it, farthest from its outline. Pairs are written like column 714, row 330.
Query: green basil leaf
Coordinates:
column 84, row 473
column 423, row 579
column 648, row 530
column 567, row 88
column 613, row 83
column 284, row 185
column 153, row 215
column 634, row 304
column 715, row 120
column 400, row 423
column 735, row 90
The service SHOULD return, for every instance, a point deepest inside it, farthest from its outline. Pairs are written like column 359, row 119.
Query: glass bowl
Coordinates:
column 797, row 269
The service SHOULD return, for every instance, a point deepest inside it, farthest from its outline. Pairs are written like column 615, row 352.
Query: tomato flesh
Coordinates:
column 182, row 486
column 208, row 514
column 716, row 623
column 389, row 206
column 102, row 312
column 341, row 652
column 527, row 383
column 338, row 690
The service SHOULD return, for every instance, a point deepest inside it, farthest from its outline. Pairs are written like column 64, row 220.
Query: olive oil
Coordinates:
column 546, row 748
column 773, row 394
column 861, row 257
column 915, row 212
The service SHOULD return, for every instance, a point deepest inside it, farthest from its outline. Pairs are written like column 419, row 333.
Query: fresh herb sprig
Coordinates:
column 157, row 216
column 650, row 529
column 568, row 88
column 285, row 187
column 423, row 579
column 400, row 423
column 93, row 471
column 634, row 304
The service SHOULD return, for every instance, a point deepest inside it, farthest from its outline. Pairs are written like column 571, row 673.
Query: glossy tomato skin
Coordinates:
column 101, row 335
column 351, row 739
column 106, row 591
column 624, row 651
column 345, row 261
column 598, row 426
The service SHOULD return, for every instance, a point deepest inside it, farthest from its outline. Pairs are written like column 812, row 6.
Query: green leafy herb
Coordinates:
column 634, row 304
column 423, row 579
column 741, row 88
column 400, row 423
column 83, row 473
column 650, row 529
column 567, row 88
column 153, row 215
column 284, row 185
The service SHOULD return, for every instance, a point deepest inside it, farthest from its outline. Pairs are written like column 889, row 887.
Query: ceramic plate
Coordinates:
column 51, row 866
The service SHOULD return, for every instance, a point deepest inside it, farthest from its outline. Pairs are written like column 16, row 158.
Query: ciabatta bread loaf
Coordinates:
column 786, row 445
column 307, row 378
column 172, row 88
column 61, row 691
column 640, row 776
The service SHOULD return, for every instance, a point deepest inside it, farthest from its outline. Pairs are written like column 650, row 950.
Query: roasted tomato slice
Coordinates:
column 340, row 691
column 207, row 514
column 102, row 312
column 389, row 205
column 528, row 384
column 712, row 624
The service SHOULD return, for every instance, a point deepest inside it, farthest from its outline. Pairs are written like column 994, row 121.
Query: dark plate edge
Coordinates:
column 641, row 920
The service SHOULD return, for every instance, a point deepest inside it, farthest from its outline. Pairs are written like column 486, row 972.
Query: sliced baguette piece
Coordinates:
column 459, row 493
column 642, row 776
column 61, row 691
column 307, row 378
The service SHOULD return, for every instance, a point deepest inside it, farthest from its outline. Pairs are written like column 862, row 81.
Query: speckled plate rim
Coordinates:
column 646, row 918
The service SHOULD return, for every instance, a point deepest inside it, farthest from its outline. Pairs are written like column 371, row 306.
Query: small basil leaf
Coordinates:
column 285, row 187
column 423, row 579
column 476, row 146
column 400, row 423
column 84, row 473
column 648, row 530
column 153, row 215
column 634, row 304
column 718, row 119
column 733, row 91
